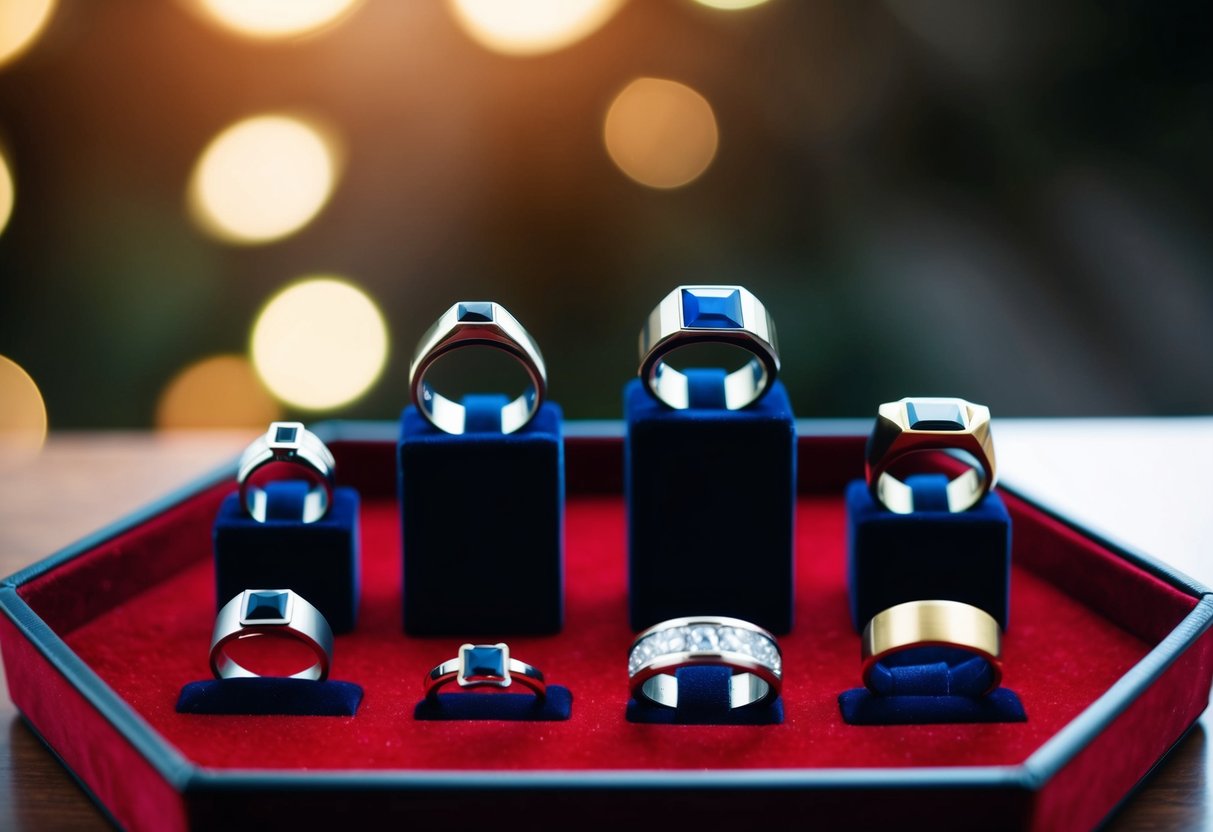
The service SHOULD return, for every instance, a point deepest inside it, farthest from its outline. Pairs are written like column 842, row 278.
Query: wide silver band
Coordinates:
column 716, row 314
column 748, row 650
column 485, row 665
column 281, row 613
column 287, row 450
column 914, row 426
column 477, row 323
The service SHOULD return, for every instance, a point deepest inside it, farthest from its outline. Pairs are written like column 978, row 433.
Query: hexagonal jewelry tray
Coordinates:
column 1109, row 650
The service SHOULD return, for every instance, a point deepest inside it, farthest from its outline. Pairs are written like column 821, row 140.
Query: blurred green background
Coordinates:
column 1004, row 201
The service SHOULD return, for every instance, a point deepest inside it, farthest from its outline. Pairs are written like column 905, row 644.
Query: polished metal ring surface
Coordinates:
column 748, row 650
column 287, row 450
column 715, row 314
column 932, row 624
column 485, row 666
column 477, row 323
column 913, row 425
column 261, row 613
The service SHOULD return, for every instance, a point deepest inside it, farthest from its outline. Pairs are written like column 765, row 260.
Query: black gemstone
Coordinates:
column 934, row 416
column 285, row 434
column 265, row 606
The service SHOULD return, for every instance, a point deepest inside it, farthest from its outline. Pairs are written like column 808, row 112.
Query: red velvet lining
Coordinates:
column 1060, row 655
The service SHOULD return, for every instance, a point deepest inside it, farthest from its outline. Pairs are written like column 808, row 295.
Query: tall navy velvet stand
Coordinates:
column 319, row 560
column 483, row 524
column 929, row 554
column 710, row 502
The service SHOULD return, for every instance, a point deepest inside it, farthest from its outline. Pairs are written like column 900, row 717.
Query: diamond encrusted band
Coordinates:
column 751, row 652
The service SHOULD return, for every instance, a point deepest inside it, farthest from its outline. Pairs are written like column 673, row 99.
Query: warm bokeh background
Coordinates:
column 1006, row 201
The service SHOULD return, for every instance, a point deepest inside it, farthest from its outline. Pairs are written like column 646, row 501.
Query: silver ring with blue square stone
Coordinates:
column 468, row 324
column 485, row 666
column 749, row 651
column 286, row 450
column 919, row 427
column 714, row 314
column 270, row 613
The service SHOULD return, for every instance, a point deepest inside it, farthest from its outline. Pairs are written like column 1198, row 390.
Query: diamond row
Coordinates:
column 706, row 638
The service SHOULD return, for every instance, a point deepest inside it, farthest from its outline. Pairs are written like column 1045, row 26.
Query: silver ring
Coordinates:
column 286, row 444
column 280, row 613
column 748, row 650
column 477, row 323
column 485, row 665
column 698, row 314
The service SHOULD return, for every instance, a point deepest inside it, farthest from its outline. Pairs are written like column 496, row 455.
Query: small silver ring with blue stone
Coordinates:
column 749, row 651
column 270, row 613
column 485, row 666
column 286, row 446
column 716, row 314
column 915, row 426
column 477, row 323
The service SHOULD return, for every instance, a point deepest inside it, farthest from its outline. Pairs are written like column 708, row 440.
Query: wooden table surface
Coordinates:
column 83, row 482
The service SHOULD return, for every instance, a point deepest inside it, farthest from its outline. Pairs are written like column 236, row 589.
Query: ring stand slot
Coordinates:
column 710, row 500
column 482, row 516
column 318, row 560
column 703, row 699
column 556, row 706
column 269, row 696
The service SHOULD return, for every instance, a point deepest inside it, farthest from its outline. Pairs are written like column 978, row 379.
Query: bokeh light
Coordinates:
column 8, row 192
column 222, row 391
column 319, row 343
column 21, row 21
column 263, row 179
column 731, row 5
column 661, row 133
column 22, row 416
column 270, row 19
column 531, row 27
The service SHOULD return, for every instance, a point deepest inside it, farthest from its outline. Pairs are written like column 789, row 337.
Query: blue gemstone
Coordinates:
column 483, row 660
column 285, row 434
column 934, row 416
column 711, row 309
column 474, row 313
column 263, row 606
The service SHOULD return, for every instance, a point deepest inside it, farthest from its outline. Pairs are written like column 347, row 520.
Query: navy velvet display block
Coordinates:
column 930, row 554
column 710, row 500
column 267, row 696
column 318, row 560
column 482, row 517
column 513, row 707
column 703, row 699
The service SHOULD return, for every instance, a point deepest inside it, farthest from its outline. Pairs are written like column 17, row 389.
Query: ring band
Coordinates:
column 748, row 650
column 286, row 444
column 913, row 425
column 485, row 665
column 932, row 624
column 705, row 314
column 477, row 323
column 270, row 612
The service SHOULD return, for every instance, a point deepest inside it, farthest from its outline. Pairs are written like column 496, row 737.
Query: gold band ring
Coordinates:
column 932, row 624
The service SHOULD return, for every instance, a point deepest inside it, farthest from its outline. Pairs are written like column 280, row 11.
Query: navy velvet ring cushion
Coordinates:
column 319, row 560
column 710, row 505
column 482, row 518
column 703, row 699
column 556, row 706
column 270, row 696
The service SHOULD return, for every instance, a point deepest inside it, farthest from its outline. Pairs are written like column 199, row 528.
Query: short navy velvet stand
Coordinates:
column 483, row 516
column 317, row 560
column 931, row 554
column 269, row 696
column 710, row 498
column 513, row 707
column 703, row 699
column 930, row 685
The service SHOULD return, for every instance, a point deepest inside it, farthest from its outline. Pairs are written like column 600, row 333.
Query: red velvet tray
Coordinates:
column 1109, row 651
